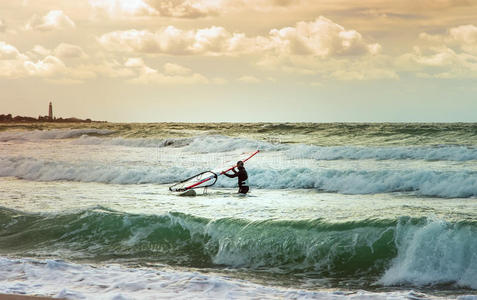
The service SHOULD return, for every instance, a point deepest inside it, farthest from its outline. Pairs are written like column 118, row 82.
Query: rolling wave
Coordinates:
column 389, row 251
column 410, row 134
column 447, row 184
column 197, row 144
column 436, row 153
column 43, row 170
column 220, row 143
column 35, row 135
column 131, row 142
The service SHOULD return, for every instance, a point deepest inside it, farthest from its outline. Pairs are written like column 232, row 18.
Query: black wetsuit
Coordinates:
column 242, row 179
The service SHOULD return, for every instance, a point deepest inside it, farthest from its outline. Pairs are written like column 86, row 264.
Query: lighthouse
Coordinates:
column 50, row 112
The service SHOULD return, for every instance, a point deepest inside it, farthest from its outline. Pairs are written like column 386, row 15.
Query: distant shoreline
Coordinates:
column 24, row 119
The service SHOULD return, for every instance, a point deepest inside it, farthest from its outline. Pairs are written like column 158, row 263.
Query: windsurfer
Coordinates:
column 242, row 177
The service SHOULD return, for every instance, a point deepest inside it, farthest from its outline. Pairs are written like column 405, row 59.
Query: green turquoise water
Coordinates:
column 378, row 207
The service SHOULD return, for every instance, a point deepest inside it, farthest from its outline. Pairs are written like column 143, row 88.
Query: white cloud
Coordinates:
column 184, row 8
column 136, row 71
column 466, row 37
column 40, row 62
column 138, row 66
column 54, row 19
column 302, row 49
column 124, row 7
column 108, row 69
column 449, row 55
column 249, row 79
column 321, row 37
column 129, row 40
column 438, row 62
column 47, row 67
column 358, row 73
column 170, row 8
column 160, row 78
column 65, row 50
column 134, row 62
column 187, row 8
column 40, row 50
column 8, row 51
column 462, row 38
column 173, row 74
column 14, row 64
column 174, row 69
column 11, row 61
column 51, row 68
column 169, row 40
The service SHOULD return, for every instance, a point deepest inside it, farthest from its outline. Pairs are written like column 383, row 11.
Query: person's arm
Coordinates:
column 235, row 174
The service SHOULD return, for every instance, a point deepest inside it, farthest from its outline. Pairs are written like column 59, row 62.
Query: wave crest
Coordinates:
column 35, row 135
column 417, row 251
column 447, row 184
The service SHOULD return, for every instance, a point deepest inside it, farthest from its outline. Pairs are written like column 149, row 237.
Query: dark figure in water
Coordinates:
column 242, row 177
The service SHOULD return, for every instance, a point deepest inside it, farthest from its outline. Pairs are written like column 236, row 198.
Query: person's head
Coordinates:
column 240, row 164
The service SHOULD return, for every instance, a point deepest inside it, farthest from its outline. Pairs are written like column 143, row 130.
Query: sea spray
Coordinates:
column 38, row 135
column 62, row 279
column 419, row 251
column 446, row 184
column 436, row 252
column 213, row 143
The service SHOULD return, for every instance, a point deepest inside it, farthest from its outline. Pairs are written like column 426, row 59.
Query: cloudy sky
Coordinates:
column 240, row 60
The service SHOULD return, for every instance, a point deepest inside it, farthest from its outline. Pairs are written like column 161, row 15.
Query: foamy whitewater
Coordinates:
column 336, row 211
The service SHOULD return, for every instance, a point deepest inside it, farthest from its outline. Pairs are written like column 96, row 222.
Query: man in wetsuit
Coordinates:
column 242, row 178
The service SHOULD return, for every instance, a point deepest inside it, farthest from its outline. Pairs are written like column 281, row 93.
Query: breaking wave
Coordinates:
column 33, row 135
column 83, row 281
column 220, row 143
column 213, row 144
column 416, row 251
column 40, row 170
column 449, row 153
column 198, row 144
column 446, row 184
column 130, row 142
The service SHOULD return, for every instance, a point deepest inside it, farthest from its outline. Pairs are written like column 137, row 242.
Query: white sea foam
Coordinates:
column 39, row 170
column 220, row 143
column 452, row 184
column 74, row 281
column 425, row 182
column 452, row 153
column 422, row 182
column 128, row 142
column 436, row 253
column 33, row 135
column 198, row 144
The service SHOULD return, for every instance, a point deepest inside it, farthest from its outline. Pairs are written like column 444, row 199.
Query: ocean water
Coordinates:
column 336, row 211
